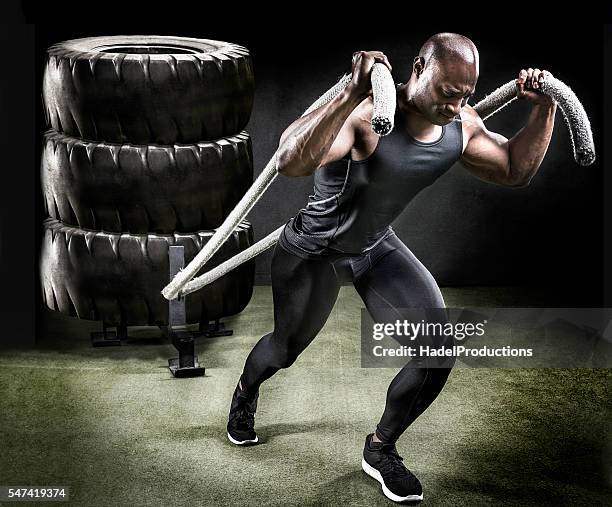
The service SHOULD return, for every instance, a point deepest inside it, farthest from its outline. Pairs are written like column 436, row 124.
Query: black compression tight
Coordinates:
column 304, row 293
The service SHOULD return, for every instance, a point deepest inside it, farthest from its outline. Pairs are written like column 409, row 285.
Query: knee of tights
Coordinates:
column 285, row 358
column 425, row 363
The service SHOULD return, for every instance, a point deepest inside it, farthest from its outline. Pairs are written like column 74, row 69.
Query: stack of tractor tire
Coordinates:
column 146, row 150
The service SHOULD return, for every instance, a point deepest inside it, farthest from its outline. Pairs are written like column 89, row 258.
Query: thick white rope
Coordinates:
column 575, row 116
column 384, row 103
column 218, row 271
column 384, row 96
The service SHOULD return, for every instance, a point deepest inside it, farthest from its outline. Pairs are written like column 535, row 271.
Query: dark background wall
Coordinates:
column 607, row 154
column 18, row 185
column 464, row 230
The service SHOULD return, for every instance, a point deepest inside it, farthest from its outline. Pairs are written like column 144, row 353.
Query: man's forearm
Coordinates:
column 306, row 141
column 528, row 147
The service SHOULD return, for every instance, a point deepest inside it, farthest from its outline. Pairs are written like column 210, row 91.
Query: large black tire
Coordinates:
column 148, row 89
column 141, row 189
column 119, row 278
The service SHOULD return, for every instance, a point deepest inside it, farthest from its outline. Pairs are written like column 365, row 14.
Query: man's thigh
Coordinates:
column 304, row 293
column 398, row 279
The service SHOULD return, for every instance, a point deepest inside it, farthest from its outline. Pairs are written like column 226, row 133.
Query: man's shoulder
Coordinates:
column 365, row 139
column 470, row 116
column 361, row 118
column 471, row 123
column 363, row 112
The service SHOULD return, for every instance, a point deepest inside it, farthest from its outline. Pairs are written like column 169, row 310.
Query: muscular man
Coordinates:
column 361, row 184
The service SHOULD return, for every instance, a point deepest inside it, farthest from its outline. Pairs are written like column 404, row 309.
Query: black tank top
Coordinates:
column 354, row 202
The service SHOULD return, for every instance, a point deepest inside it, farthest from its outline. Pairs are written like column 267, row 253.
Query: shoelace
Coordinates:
column 392, row 464
column 245, row 419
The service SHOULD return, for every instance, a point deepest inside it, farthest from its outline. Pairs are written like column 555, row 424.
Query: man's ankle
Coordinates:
column 245, row 391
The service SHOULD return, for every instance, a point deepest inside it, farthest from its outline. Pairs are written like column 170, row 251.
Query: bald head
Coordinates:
column 443, row 77
column 448, row 47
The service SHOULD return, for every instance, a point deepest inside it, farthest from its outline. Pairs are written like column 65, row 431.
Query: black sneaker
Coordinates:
column 383, row 463
column 241, row 423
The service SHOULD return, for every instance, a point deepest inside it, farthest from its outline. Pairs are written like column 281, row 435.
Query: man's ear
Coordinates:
column 418, row 65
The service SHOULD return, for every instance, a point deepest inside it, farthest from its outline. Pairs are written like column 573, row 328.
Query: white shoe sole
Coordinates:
column 375, row 474
column 242, row 442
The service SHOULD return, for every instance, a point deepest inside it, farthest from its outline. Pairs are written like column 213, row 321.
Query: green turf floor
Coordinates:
column 114, row 426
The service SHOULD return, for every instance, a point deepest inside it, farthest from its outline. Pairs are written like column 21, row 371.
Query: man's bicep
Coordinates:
column 487, row 156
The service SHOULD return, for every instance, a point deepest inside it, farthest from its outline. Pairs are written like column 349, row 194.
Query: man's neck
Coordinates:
column 414, row 123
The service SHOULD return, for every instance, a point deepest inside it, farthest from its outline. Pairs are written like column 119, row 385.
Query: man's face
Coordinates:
column 443, row 89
